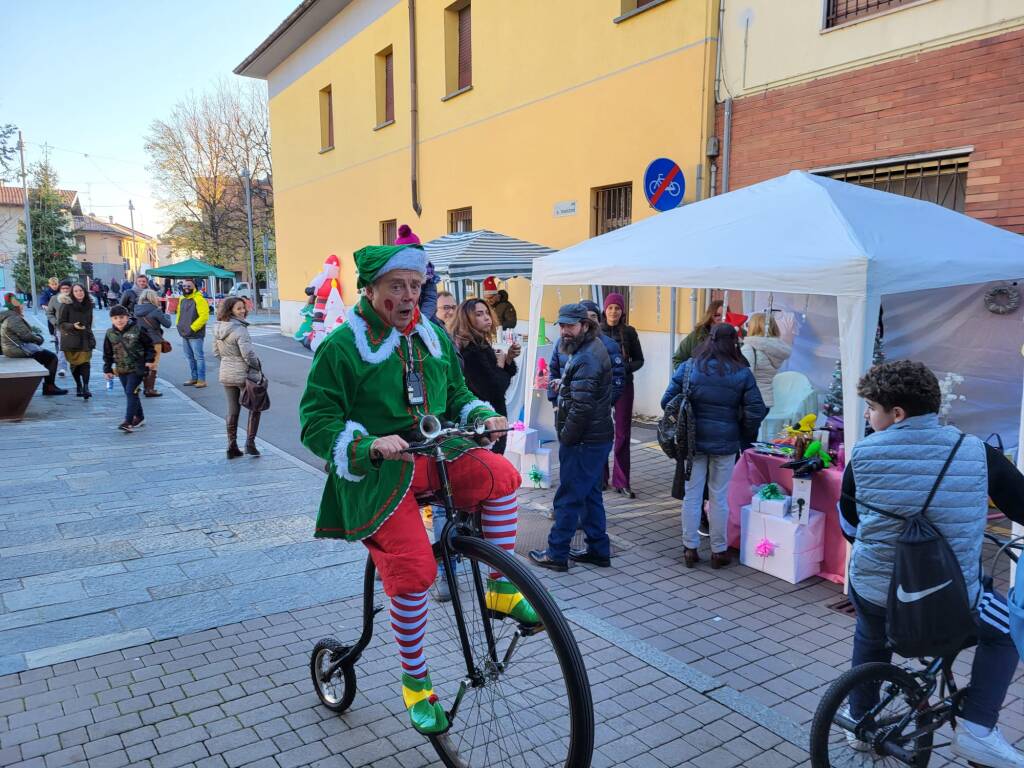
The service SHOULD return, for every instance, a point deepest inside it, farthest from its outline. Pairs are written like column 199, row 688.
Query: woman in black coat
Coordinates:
column 488, row 372
column 74, row 319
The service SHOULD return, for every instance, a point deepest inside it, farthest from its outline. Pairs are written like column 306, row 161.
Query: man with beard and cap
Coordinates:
column 559, row 359
column 583, row 422
column 371, row 381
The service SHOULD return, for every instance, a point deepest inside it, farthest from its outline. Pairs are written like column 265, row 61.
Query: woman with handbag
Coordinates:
column 151, row 317
column 74, row 323
column 231, row 343
column 19, row 339
column 727, row 409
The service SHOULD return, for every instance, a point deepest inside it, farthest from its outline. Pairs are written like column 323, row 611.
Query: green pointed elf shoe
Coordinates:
column 504, row 598
column 425, row 711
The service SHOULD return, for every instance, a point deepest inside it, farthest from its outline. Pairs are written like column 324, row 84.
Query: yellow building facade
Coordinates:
column 563, row 100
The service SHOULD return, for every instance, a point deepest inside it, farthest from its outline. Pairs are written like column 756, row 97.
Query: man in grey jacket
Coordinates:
column 893, row 470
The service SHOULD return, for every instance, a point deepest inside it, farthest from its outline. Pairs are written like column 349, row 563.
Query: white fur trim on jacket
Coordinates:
column 428, row 333
column 341, row 447
column 469, row 407
column 361, row 332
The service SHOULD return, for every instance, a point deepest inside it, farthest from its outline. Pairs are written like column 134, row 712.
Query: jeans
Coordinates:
column 579, row 500
column 131, row 383
column 196, row 360
column 995, row 661
column 717, row 470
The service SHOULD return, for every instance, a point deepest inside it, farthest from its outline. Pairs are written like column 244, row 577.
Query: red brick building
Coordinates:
column 945, row 125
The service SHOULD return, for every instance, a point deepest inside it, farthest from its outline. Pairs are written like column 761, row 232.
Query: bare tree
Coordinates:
column 198, row 155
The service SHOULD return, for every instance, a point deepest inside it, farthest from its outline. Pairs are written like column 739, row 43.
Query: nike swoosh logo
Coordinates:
column 912, row 597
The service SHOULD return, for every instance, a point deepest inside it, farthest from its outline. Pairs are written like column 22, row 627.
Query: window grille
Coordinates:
column 613, row 208
column 937, row 180
column 841, row 11
column 388, row 231
column 460, row 220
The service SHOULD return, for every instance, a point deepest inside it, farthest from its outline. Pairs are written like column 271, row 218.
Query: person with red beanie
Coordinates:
column 614, row 327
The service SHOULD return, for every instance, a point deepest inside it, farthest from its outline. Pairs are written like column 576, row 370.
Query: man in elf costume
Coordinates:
column 370, row 383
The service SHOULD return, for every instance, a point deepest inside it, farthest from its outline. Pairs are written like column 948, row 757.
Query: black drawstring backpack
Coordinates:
column 928, row 612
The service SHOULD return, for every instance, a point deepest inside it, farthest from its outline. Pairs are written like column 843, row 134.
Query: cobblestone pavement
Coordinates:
column 688, row 667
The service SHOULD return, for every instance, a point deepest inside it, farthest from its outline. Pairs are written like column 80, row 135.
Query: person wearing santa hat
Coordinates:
column 500, row 305
column 370, row 383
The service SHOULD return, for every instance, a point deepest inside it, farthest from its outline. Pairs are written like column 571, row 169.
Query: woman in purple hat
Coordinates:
column 614, row 326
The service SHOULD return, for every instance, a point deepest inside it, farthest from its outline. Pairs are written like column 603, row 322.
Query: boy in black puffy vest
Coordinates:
column 128, row 353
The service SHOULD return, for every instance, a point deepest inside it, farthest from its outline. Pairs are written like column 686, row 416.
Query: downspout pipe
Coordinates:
column 726, row 144
column 414, row 113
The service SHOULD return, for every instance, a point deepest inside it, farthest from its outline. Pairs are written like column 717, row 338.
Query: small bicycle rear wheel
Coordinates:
column 527, row 702
column 337, row 691
column 835, row 745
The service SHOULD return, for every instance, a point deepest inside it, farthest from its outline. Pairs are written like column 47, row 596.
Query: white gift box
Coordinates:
column 522, row 441
column 797, row 549
column 541, row 459
column 773, row 507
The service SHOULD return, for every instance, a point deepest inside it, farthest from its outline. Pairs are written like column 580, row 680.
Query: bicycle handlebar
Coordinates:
column 473, row 433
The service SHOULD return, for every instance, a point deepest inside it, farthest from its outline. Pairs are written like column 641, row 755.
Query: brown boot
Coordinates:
column 720, row 559
column 232, row 426
column 250, row 440
column 150, row 385
column 690, row 557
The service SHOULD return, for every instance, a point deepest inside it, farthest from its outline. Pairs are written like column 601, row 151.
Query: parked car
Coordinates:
column 242, row 289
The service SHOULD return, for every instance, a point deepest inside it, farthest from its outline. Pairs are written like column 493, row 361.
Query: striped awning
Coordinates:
column 480, row 254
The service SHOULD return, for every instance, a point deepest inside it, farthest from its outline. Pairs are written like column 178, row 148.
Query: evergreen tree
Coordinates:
column 53, row 245
column 834, row 398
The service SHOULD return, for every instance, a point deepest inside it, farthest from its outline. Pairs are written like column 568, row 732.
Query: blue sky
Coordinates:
column 91, row 76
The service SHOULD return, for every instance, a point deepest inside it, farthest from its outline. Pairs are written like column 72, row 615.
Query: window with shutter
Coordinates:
column 326, row 119
column 460, row 220
column 389, row 88
column 465, row 48
column 388, row 231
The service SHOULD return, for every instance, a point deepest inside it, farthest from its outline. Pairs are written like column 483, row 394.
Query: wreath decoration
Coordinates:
column 1002, row 299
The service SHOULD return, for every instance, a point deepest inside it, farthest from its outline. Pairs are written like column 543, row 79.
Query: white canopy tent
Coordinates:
column 798, row 233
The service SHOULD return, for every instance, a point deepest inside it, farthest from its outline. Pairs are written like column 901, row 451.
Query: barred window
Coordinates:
column 841, row 11
column 612, row 207
column 460, row 220
column 388, row 231
column 941, row 180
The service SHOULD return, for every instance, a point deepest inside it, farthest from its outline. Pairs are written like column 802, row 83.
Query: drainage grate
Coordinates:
column 843, row 606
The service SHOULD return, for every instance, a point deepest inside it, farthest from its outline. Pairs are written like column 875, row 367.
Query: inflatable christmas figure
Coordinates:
column 328, row 307
column 305, row 331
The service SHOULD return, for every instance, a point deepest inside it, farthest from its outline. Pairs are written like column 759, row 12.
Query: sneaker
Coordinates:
column 199, row 384
column 125, row 426
column 189, row 383
column 992, row 750
column 62, row 372
column 444, row 594
column 853, row 742
column 138, row 421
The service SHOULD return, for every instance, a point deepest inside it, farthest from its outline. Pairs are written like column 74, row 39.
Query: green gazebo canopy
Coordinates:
column 189, row 268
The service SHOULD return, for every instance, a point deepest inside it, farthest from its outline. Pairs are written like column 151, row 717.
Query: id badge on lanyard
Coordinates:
column 414, row 391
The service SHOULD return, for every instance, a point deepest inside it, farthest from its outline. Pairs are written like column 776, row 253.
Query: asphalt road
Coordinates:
column 285, row 363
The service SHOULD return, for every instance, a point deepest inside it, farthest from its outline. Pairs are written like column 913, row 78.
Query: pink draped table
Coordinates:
column 755, row 469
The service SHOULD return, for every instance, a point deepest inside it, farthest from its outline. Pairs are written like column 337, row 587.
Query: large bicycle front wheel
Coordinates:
column 526, row 700
column 839, row 741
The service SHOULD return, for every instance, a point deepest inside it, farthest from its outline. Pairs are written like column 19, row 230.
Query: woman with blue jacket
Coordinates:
column 728, row 410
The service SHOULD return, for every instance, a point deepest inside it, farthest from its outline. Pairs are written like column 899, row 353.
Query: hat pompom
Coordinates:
column 406, row 236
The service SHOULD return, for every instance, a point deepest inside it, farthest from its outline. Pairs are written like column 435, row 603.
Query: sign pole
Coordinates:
column 28, row 226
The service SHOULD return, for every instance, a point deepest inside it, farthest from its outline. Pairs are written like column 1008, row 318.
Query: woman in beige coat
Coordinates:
column 231, row 343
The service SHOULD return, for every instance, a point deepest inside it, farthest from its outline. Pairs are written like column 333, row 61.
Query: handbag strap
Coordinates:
column 686, row 379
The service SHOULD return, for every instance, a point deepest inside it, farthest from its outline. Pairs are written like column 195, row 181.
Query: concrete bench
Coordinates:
column 19, row 377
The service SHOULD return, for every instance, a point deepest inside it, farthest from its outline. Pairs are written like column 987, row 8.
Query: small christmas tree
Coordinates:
column 834, row 399
column 53, row 243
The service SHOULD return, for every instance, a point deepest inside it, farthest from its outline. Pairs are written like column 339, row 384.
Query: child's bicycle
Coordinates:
column 519, row 694
column 900, row 729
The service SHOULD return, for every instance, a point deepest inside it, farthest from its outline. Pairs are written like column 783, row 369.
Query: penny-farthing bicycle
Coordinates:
column 519, row 694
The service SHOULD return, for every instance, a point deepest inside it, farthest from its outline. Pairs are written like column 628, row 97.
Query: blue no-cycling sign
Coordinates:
column 664, row 184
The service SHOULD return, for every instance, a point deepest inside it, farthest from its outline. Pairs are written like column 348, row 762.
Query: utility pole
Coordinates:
column 266, row 263
column 252, row 254
column 135, row 250
column 28, row 226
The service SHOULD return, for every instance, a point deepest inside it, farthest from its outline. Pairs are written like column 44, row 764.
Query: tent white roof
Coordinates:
column 798, row 233
column 480, row 254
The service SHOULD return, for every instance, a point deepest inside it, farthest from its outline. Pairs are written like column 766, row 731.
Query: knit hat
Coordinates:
column 375, row 261
column 406, row 236
column 11, row 301
column 490, row 286
column 615, row 298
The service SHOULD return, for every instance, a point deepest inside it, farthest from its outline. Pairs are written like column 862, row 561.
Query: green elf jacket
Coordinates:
column 355, row 393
